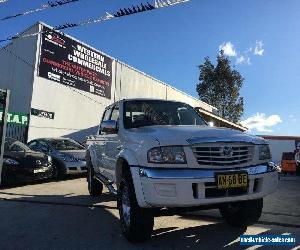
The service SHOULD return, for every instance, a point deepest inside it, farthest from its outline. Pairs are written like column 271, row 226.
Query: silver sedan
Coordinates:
column 68, row 155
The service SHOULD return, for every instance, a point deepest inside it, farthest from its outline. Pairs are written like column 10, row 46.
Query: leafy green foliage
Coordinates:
column 220, row 87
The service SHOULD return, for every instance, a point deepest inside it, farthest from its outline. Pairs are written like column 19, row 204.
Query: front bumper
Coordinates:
column 24, row 175
column 77, row 167
column 194, row 187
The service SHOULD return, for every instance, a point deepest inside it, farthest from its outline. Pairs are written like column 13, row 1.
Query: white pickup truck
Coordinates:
column 158, row 155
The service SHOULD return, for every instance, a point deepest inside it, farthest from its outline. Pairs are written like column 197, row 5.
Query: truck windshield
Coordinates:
column 141, row 113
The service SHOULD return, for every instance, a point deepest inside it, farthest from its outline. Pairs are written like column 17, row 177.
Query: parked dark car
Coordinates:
column 21, row 164
column 68, row 155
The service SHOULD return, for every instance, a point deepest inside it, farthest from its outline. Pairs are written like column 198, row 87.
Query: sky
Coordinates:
column 261, row 39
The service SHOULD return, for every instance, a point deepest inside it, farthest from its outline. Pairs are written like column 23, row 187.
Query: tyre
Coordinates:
column 242, row 214
column 54, row 174
column 58, row 171
column 4, row 180
column 136, row 223
column 95, row 187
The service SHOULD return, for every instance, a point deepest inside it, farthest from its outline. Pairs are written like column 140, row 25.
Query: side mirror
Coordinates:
column 109, row 127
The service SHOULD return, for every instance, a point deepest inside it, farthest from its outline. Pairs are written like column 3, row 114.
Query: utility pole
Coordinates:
column 4, row 102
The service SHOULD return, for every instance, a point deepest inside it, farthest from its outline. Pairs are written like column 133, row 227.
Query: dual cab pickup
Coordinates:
column 157, row 154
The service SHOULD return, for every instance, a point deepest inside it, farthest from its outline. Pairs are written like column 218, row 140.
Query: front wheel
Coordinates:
column 95, row 187
column 4, row 180
column 137, row 223
column 54, row 174
column 242, row 214
column 58, row 171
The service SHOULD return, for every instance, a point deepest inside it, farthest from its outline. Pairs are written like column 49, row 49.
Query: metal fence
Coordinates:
column 17, row 132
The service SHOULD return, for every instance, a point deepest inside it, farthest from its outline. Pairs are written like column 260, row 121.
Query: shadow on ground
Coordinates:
column 36, row 182
column 76, row 221
column 37, row 222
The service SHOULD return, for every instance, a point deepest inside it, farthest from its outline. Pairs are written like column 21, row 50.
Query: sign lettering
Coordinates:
column 71, row 63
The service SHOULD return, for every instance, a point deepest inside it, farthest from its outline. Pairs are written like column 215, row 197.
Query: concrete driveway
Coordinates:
column 61, row 215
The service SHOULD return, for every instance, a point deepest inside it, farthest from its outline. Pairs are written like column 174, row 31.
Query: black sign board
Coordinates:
column 73, row 64
column 42, row 113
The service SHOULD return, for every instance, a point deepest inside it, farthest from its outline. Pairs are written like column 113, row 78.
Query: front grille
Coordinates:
column 223, row 155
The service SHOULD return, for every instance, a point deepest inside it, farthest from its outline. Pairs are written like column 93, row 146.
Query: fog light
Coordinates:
column 165, row 190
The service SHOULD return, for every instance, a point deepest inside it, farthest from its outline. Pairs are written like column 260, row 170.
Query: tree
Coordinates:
column 220, row 87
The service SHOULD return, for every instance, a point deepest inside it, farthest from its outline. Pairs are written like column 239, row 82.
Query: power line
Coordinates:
column 123, row 12
column 120, row 13
column 50, row 4
column 108, row 16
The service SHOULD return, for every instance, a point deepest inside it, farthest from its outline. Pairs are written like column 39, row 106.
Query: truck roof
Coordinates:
column 148, row 99
column 142, row 99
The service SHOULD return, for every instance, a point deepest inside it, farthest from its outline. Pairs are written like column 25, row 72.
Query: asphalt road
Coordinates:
column 61, row 215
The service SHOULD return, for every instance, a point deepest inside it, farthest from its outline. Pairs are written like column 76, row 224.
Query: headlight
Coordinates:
column 9, row 161
column 168, row 155
column 49, row 159
column 264, row 152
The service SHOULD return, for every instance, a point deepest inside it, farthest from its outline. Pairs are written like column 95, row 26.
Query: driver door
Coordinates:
column 97, row 147
column 113, row 146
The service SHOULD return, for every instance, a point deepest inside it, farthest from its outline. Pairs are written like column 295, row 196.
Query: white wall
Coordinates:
column 75, row 111
column 277, row 147
column 16, row 70
column 134, row 84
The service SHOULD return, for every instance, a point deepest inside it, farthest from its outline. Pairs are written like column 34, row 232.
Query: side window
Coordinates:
column 107, row 114
column 115, row 113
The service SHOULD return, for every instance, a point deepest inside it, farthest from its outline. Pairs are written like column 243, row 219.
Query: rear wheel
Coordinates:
column 242, row 214
column 95, row 187
column 136, row 223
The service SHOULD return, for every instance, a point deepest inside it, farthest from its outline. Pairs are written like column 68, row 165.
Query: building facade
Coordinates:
column 64, row 85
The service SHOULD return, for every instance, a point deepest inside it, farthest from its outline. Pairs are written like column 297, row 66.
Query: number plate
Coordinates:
column 232, row 180
column 40, row 170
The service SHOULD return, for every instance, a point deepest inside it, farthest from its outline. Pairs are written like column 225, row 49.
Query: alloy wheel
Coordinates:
column 126, row 206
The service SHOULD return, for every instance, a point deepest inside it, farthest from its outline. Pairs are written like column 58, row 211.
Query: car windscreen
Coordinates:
column 141, row 113
column 61, row 144
column 12, row 145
